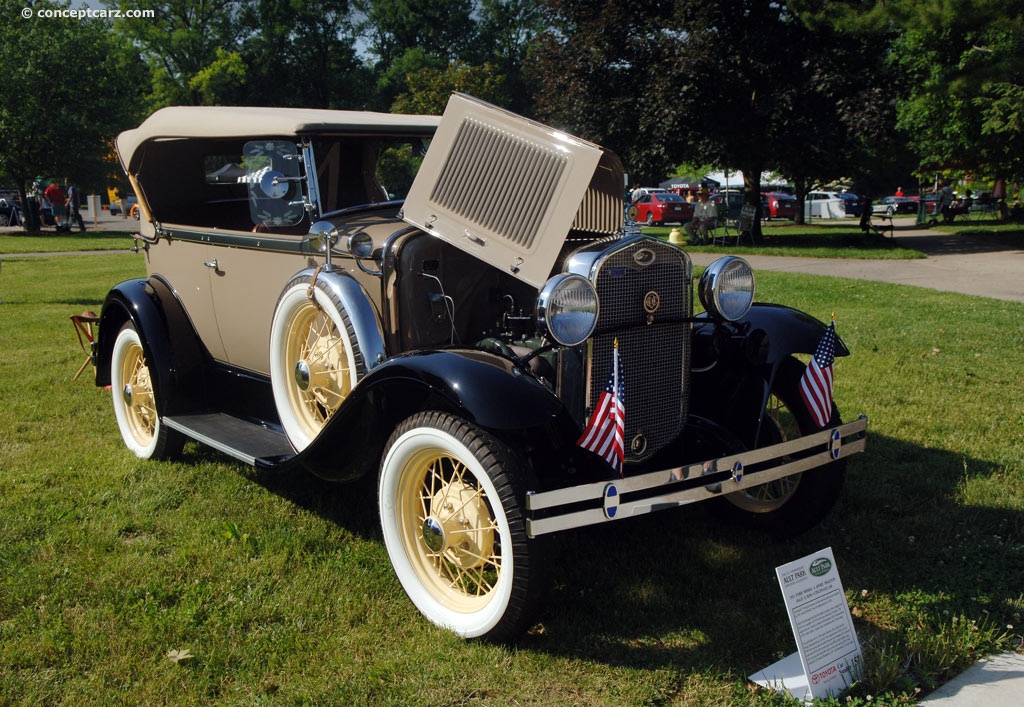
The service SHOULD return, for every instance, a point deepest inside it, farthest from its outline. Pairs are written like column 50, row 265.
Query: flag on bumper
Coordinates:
column 606, row 430
column 816, row 384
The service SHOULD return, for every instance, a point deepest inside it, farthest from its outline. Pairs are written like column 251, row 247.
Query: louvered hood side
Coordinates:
column 504, row 188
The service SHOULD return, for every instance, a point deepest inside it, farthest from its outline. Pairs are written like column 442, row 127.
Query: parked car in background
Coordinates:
column 729, row 203
column 778, row 205
column 639, row 192
column 928, row 204
column 115, row 207
column 10, row 212
column 662, row 207
column 824, row 204
column 853, row 203
column 501, row 353
column 895, row 205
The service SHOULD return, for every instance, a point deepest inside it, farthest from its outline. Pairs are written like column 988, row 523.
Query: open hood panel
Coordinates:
column 507, row 189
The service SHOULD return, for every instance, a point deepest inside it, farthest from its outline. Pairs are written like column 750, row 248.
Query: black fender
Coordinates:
column 769, row 333
column 170, row 343
column 485, row 388
column 735, row 364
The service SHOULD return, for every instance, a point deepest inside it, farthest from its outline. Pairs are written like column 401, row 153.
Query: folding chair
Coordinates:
column 86, row 336
column 743, row 225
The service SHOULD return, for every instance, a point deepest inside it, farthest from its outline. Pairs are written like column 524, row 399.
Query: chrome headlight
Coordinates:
column 726, row 288
column 567, row 309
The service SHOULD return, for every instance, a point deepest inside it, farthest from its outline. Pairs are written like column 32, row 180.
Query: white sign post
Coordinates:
column 828, row 657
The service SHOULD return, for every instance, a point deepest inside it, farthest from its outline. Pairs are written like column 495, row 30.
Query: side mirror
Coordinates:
column 322, row 236
column 273, row 184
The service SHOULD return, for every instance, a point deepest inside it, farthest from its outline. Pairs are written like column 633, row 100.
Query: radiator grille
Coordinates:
column 499, row 181
column 655, row 356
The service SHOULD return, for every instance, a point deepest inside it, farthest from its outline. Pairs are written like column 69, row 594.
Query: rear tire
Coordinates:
column 450, row 498
column 793, row 504
column 135, row 400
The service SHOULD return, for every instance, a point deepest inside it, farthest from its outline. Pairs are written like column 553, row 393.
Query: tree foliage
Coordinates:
column 819, row 90
column 963, row 69
column 737, row 83
column 63, row 102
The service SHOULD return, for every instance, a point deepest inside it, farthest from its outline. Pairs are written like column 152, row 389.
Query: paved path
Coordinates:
column 954, row 264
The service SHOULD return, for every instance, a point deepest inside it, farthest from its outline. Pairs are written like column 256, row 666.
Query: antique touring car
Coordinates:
column 458, row 341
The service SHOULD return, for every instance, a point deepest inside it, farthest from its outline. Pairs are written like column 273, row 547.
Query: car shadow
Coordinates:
column 681, row 590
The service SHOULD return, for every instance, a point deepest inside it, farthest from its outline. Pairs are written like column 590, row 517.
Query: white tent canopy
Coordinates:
column 733, row 179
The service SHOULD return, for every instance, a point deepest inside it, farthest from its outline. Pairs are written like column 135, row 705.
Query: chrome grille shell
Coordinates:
column 654, row 346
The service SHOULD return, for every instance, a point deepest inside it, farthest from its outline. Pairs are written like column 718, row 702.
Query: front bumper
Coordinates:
column 603, row 501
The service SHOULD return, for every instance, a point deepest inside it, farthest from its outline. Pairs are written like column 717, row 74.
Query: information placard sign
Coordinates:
column 827, row 647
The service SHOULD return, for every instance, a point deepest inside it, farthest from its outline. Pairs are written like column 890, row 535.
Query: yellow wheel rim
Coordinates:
column 137, row 392
column 322, row 367
column 449, row 531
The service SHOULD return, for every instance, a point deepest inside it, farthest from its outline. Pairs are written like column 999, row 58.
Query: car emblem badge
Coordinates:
column 652, row 300
column 644, row 257
column 638, row 445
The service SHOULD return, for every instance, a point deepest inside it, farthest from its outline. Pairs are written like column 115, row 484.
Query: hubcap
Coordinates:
column 302, row 375
column 433, row 534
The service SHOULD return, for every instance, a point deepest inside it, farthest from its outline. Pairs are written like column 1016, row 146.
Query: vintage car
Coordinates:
column 461, row 343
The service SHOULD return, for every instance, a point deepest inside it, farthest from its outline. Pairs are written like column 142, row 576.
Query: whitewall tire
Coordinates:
column 315, row 360
column 450, row 510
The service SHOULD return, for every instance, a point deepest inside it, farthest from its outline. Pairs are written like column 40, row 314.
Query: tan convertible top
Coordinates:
column 239, row 121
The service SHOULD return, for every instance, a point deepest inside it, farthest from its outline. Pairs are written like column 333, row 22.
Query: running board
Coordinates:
column 253, row 444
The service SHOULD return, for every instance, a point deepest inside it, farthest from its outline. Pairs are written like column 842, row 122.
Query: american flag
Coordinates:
column 816, row 384
column 605, row 431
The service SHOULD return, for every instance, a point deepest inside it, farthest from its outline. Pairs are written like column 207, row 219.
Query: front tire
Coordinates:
column 792, row 504
column 135, row 400
column 315, row 360
column 450, row 500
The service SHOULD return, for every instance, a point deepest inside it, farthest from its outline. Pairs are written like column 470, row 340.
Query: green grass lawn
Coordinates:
column 50, row 242
column 204, row 582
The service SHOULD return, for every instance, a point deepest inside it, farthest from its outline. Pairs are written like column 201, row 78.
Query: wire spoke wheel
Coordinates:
column 135, row 400
column 453, row 526
column 446, row 517
column 315, row 360
column 774, row 494
column 792, row 504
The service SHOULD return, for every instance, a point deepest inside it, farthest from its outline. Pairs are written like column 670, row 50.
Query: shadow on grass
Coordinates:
column 682, row 590
column 679, row 589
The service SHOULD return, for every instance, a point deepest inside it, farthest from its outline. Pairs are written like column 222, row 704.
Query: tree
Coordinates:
column 602, row 70
column 430, row 89
column 963, row 64
column 188, row 45
column 303, row 53
column 508, row 29
column 736, row 83
column 60, row 110
column 406, row 36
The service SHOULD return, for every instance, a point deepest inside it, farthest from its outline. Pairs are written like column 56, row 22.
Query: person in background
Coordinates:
column 705, row 217
column 58, row 203
column 74, row 204
column 899, row 191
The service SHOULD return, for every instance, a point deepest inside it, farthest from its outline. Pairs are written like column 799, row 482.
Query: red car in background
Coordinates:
column 662, row 207
column 778, row 205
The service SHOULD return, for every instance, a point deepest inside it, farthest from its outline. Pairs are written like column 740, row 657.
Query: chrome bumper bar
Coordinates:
column 603, row 501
